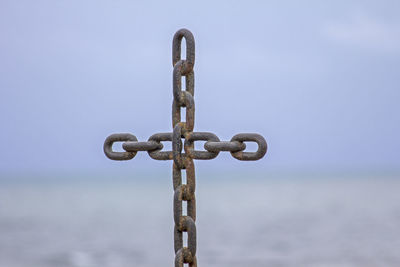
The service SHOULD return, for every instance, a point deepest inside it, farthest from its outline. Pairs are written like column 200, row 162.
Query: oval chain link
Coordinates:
column 157, row 153
column 119, row 137
column 250, row 137
column 200, row 136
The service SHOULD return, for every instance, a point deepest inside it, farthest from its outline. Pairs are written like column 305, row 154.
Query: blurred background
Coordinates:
column 318, row 79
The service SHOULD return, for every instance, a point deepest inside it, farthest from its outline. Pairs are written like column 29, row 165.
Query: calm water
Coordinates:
column 273, row 222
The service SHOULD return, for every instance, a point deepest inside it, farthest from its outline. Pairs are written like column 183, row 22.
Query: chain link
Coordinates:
column 119, row 137
column 157, row 153
column 250, row 137
column 183, row 153
column 197, row 136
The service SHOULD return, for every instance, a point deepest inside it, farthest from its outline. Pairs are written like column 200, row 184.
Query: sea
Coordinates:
column 242, row 220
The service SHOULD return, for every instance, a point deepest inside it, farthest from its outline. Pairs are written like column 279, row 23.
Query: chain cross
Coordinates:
column 184, row 160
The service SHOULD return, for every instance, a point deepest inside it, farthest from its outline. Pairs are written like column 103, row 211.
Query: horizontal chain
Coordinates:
column 212, row 146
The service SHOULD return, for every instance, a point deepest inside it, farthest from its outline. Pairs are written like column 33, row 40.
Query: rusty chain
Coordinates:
column 184, row 160
column 183, row 192
column 211, row 148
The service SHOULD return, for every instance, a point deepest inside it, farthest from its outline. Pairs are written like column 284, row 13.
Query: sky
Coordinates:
column 318, row 79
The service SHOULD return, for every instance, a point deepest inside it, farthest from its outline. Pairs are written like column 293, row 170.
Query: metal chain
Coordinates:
column 212, row 147
column 183, row 192
column 184, row 222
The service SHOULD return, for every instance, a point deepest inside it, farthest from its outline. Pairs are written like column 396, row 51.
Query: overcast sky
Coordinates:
column 318, row 79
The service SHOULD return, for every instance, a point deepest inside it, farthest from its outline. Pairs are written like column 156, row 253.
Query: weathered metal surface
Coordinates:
column 183, row 154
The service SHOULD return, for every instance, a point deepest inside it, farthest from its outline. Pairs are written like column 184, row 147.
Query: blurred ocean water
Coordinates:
column 256, row 222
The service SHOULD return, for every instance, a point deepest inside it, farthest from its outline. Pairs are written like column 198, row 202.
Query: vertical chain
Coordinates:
column 184, row 223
